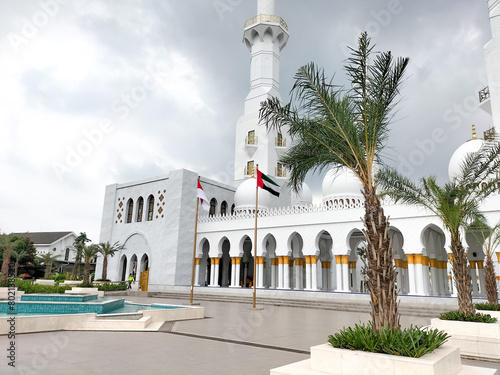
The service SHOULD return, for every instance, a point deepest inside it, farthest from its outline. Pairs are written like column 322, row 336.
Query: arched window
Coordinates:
column 223, row 208
column 213, row 204
column 151, row 207
column 130, row 209
column 66, row 255
column 232, row 209
column 140, row 207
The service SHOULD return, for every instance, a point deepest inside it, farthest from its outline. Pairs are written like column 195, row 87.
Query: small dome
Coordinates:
column 303, row 197
column 244, row 198
column 341, row 183
column 458, row 157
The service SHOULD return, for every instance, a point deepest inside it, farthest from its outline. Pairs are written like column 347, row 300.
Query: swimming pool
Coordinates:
column 60, row 304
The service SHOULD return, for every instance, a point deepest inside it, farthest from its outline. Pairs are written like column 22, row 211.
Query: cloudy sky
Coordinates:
column 96, row 92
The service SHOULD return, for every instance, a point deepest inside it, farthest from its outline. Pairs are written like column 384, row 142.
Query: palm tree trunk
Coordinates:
column 16, row 268
column 462, row 277
column 5, row 265
column 490, row 280
column 381, row 273
column 48, row 266
column 105, row 267
column 86, row 272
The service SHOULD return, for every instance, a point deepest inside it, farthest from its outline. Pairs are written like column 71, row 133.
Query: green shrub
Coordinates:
column 36, row 288
column 488, row 306
column 59, row 277
column 460, row 316
column 411, row 342
column 82, row 285
column 110, row 287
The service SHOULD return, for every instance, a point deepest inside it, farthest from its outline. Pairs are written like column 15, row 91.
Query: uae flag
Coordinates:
column 264, row 182
column 203, row 198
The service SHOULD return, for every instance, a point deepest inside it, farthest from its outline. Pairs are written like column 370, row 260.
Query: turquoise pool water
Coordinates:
column 58, row 304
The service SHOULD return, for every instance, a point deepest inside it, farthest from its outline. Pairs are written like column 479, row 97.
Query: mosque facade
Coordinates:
column 300, row 246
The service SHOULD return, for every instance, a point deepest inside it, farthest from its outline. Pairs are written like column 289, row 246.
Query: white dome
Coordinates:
column 244, row 198
column 460, row 154
column 303, row 197
column 341, row 183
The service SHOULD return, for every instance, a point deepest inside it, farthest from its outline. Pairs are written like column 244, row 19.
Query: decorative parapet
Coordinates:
column 266, row 18
column 249, row 214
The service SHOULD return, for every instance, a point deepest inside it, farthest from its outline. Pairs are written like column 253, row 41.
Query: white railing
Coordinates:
column 266, row 18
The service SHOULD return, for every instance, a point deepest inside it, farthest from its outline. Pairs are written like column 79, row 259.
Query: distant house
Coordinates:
column 56, row 243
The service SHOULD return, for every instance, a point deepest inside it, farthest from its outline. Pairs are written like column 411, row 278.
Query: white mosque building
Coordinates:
column 299, row 246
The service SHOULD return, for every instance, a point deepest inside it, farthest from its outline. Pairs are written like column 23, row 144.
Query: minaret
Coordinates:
column 492, row 57
column 265, row 35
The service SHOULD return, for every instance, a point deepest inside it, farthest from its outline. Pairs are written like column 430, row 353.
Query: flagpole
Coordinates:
column 194, row 247
column 255, row 237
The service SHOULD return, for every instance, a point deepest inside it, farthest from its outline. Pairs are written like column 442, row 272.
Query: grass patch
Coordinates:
column 488, row 306
column 411, row 342
column 462, row 317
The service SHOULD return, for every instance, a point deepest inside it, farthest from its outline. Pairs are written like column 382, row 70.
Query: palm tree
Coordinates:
column 48, row 259
column 89, row 253
column 7, row 244
column 339, row 128
column 490, row 239
column 18, row 255
column 79, row 245
column 106, row 249
column 456, row 204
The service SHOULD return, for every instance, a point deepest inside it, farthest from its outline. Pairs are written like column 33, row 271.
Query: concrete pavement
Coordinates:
column 232, row 339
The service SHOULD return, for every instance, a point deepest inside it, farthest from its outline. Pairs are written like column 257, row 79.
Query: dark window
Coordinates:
column 130, row 209
column 66, row 255
column 151, row 207
column 140, row 207
column 223, row 208
column 232, row 209
column 213, row 204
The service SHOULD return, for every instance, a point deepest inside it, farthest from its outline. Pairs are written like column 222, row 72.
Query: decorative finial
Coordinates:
column 474, row 131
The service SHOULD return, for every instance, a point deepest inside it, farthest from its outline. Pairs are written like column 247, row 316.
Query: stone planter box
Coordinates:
column 476, row 340
column 492, row 313
column 71, row 282
column 4, row 293
column 328, row 360
column 44, row 282
column 79, row 290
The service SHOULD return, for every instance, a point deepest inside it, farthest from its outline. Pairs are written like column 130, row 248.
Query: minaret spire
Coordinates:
column 266, row 7
column 265, row 35
column 491, row 104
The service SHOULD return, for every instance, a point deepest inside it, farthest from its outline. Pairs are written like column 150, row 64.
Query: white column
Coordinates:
column 216, row 274
column 238, row 271
column 197, row 272
column 281, row 274
column 298, row 274
column 482, row 281
column 434, row 278
column 345, row 274
column 273, row 273
column 425, row 276
column 212, row 272
column 308, row 273
column 260, row 272
column 412, row 287
column 338, row 267
column 314, row 273
column 473, row 276
column 234, row 282
column 286, row 273
column 399, row 278
column 324, row 276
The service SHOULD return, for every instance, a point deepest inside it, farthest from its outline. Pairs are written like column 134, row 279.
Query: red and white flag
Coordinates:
column 203, row 198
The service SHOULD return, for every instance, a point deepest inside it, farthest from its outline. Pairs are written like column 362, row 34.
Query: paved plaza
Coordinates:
column 232, row 339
